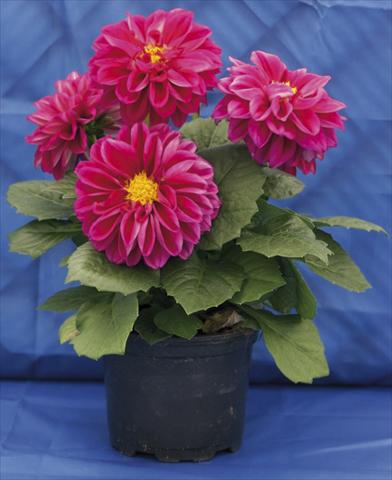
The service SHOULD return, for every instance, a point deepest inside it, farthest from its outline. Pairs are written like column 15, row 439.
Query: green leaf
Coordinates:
column 36, row 237
column 68, row 330
column 146, row 327
column 206, row 133
column 65, row 187
column 295, row 345
column 91, row 268
column 294, row 294
column 70, row 299
column 347, row 222
column 101, row 331
column 306, row 301
column 64, row 261
column 43, row 199
column 262, row 275
column 175, row 321
column 341, row 270
column 282, row 233
column 268, row 211
column 125, row 308
column 200, row 283
column 240, row 181
column 281, row 185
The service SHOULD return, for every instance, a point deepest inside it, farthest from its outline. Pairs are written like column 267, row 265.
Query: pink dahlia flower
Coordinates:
column 286, row 117
column 159, row 66
column 145, row 195
column 65, row 120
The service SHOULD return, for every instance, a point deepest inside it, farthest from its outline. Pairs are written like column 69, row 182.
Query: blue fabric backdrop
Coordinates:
column 351, row 40
column 57, row 431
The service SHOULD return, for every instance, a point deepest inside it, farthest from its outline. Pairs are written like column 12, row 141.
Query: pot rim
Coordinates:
column 210, row 338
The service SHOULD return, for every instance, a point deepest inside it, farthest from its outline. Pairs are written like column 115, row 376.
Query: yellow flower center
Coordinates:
column 293, row 89
column 288, row 84
column 141, row 189
column 155, row 52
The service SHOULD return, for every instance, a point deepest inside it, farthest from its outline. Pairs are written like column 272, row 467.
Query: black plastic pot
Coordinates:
column 179, row 399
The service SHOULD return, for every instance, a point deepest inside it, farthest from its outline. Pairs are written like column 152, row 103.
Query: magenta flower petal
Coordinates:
column 117, row 154
column 104, row 225
column 307, row 121
column 259, row 133
column 159, row 66
column 159, row 256
column 270, row 64
column 145, row 195
column 285, row 117
column 167, row 217
column 61, row 120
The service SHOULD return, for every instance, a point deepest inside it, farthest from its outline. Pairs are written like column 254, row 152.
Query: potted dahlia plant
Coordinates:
column 182, row 253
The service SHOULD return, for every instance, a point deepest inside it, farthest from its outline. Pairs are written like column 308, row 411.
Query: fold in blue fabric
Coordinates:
column 58, row 430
